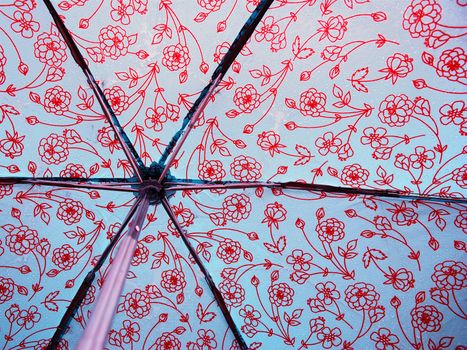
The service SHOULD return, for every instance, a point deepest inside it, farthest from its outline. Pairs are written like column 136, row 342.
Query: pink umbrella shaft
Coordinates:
column 95, row 334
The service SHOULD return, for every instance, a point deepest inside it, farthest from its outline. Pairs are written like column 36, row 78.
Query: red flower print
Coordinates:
column 211, row 5
column 329, row 337
column 267, row 30
column 426, row 318
column 246, row 98
column 312, row 102
column 327, row 292
column 113, row 41
column 299, row 260
column 221, row 50
column 361, row 296
column 422, row 158
column 331, row 53
column 251, row 5
column 57, row 100
column 74, row 171
column 22, row 240
column 140, row 255
column 24, row 25
column 167, row 341
column 29, row 318
column 375, row 137
column 155, row 118
column 395, row 110
column 354, row 175
column 452, row 64
column 7, row 289
column 53, row 149
column 233, row 293
column 2, row 65
column 90, row 296
column 176, row 57
column 421, row 17
column 50, row 49
column 460, row 176
column 384, row 339
column 453, row 113
column 274, row 213
column 121, row 11
column 236, row 207
column 118, row 99
column 333, row 29
column 461, row 220
column 229, row 251
column 402, row 279
column 173, row 280
column 211, row 170
column 70, row 211
column 136, row 304
column 250, row 315
column 130, row 332
column 330, row 230
column 328, row 143
column 106, row 138
column 397, row 66
column 5, row 190
column 450, row 275
column 244, row 168
column 281, row 294
column 12, row 146
column 206, row 339
column 269, row 141
column 65, row 257
column 403, row 215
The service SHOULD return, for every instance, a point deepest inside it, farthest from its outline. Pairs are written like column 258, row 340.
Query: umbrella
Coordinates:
column 220, row 174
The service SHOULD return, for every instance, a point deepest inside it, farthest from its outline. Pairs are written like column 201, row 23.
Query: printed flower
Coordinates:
column 397, row 66
column 312, row 102
column 113, row 41
column 361, row 296
column 22, row 240
column 274, row 213
column 130, row 332
column 246, row 98
column 269, row 141
column 281, row 294
column 56, row 100
column 299, row 260
column 74, row 171
column 421, row 17
column 233, row 293
column 70, row 211
column 211, row 170
column 23, row 24
column 117, row 98
column 12, row 146
column 50, row 49
column 5, row 190
column 155, row 118
column 28, row 318
column 121, row 11
column 329, row 337
column 2, row 66
column 140, row 255
column 461, row 220
column 354, row 175
column 426, row 318
column 422, row 158
column 327, row 292
column 250, row 315
column 236, row 207
column 330, row 230
column 331, row 53
column 453, row 113
column 328, row 143
column 206, row 340
column 375, row 137
column 173, row 280
column 107, row 139
column 7, row 289
column 229, row 251
column 176, row 57
column 452, row 64
column 395, row 110
column 167, row 341
column 460, row 176
column 385, row 340
column 221, row 50
column 90, row 296
column 65, row 257
column 403, row 215
column 184, row 215
column 244, row 168
column 137, row 304
column 53, row 149
column 450, row 275
column 211, row 5
column 402, row 279
column 267, row 30
column 333, row 29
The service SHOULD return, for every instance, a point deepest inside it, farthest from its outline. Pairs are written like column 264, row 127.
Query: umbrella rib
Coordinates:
column 88, row 280
column 196, row 185
column 212, row 286
column 131, row 153
column 197, row 108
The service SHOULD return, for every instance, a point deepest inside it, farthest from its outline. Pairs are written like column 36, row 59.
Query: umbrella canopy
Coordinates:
column 217, row 174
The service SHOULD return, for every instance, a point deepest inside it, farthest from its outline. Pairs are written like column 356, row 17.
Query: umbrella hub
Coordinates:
column 151, row 184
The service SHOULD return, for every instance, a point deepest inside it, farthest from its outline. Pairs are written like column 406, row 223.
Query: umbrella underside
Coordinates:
column 217, row 174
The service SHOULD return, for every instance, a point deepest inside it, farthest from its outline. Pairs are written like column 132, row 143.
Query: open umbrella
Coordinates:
column 240, row 174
